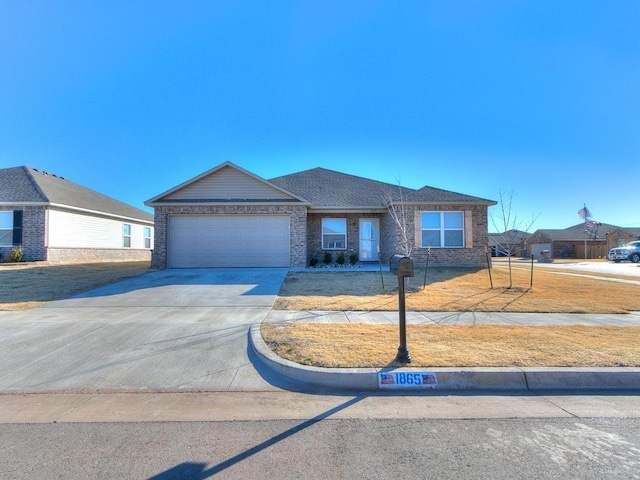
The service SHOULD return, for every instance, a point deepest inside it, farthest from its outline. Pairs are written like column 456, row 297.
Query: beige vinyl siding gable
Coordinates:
column 228, row 184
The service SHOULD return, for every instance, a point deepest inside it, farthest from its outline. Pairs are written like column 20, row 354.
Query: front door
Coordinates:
column 369, row 239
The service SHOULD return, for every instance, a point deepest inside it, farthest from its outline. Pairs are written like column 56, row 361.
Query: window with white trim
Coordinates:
column 442, row 229
column 147, row 237
column 334, row 233
column 6, row 228
column 126, row 235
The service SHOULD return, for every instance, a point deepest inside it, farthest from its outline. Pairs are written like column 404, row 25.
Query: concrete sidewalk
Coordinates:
column 456, row 318
column 283, row 405
column 451, row 379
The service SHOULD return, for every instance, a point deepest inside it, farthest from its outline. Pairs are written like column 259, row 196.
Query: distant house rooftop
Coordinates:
column 29, row 185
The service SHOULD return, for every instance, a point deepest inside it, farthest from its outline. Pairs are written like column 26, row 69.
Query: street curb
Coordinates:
column 353, row 379
column 450, row 379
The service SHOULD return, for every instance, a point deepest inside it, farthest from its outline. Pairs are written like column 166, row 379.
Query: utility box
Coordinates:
column 402, row 266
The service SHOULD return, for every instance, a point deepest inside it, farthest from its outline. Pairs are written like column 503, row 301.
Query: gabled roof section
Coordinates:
column 26, row 185
column 576, row 232
column 629, row 231
column 226, row 184
column 330, row 189
column 17, row 185
column 510, row 236
column 436, row 195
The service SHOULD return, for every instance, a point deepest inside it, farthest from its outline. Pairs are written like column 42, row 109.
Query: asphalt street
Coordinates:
column 320, row 448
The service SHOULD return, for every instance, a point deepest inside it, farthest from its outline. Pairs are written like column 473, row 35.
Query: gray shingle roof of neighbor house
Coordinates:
column 576, row 232
column 27, row 185
column 330, row 189
column 631, row 231
column 511, row 236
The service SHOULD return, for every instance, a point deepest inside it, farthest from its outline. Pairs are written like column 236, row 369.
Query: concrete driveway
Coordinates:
column 172, row 330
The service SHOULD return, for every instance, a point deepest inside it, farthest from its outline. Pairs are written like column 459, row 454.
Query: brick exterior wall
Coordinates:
column 388, row 233
column 33, row 233
column 471, row 256
column 575, row 249
column 91, row 255
column 298, row 226
column 314, row 234
column 306, row 233
column 619, row 238
column 391, row 236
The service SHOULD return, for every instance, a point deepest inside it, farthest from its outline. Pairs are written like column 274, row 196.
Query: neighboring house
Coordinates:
column 509, row 243
column 573, row 242
column 229, row 217
column 56, row 220
column 619, row 237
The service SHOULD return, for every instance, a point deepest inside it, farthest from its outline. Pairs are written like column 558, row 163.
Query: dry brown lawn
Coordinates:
column 447, row 289
column 365, row 345
column 452, row 289
column 30, row 285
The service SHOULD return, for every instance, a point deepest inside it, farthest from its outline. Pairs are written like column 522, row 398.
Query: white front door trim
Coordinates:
column 369, row 239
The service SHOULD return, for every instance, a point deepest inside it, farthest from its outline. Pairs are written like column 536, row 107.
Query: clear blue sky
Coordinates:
column 541, row 98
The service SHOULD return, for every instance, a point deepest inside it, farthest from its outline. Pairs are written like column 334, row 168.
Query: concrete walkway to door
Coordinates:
column 171, row 330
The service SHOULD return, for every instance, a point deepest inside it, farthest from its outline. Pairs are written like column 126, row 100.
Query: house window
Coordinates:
column 147, row 237
column 334, row 233
column 126, row 235
column 442, row 229
column 6, row 229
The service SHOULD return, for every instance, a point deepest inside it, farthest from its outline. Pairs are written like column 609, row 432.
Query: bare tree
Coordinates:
column 506, row 223
column 399, row 214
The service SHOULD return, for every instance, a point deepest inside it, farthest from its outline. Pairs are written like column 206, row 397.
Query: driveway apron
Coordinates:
column 171, row 330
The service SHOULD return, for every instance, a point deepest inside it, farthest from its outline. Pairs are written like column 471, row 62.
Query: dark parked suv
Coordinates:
column 631, row 252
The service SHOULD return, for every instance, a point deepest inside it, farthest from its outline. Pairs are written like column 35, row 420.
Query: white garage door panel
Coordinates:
column 228, row 241
column 537, row 248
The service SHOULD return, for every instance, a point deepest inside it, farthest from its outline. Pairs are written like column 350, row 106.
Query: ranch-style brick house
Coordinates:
column 53, row 219
column 571, row 242
column 230, row 217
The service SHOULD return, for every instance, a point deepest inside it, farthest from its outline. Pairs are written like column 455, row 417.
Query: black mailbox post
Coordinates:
column 402, row 266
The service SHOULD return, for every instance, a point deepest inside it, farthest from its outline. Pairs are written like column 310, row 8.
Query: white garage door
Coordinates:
column 228, row 241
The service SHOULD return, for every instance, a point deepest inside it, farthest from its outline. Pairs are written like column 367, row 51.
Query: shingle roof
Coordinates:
column 436, row 195
column 327, row 188
column 28, row 185
column 577, row 232
column 630, row 231
column 511, row 236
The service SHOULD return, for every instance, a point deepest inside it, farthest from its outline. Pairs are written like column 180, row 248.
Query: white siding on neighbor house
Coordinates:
column 74, row 230
column 228, row 184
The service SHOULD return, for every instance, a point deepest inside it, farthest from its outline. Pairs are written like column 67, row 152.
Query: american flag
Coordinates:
column 584, row 213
